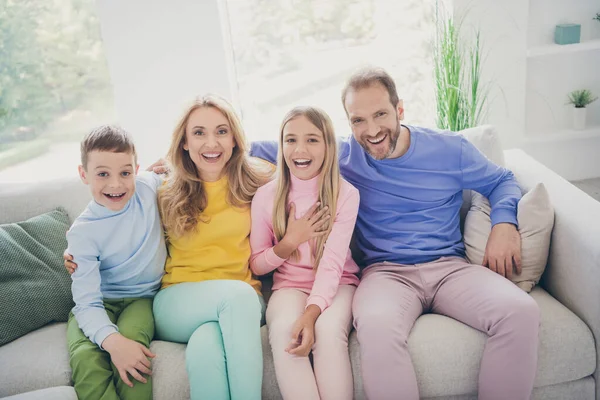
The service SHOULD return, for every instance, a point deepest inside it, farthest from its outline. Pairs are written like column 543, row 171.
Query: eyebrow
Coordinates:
column 308, row 134
column 218, row 126
column 104, row 166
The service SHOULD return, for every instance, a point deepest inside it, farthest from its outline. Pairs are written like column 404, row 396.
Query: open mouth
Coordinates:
column 212, row 157
column 302, row 163
column 377, row 141
column 114, row 196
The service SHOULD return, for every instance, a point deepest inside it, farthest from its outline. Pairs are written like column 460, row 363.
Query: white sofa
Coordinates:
column 446, row 353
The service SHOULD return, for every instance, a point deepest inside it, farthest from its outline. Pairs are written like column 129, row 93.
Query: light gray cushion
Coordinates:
column 35, row 361
column 53, row 393
column 446, row 353
column 536, row 219
column 170, row 378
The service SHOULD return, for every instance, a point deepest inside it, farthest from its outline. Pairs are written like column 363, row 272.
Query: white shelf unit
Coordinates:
column 558, row 49
column 564, row 135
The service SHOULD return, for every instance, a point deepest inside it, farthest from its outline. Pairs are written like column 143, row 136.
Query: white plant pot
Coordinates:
column 579, row 118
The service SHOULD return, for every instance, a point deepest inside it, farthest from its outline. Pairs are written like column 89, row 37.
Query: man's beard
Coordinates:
column 393, row 138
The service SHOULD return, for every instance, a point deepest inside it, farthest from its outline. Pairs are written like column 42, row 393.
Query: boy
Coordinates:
column 118, row 245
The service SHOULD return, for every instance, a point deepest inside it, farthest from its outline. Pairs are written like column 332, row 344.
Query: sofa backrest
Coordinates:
column 19, row 202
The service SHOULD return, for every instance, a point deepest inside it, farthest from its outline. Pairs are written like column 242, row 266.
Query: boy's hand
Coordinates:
column 69, row 264
column 129, row 357
column 303, row 333
column 309, row 226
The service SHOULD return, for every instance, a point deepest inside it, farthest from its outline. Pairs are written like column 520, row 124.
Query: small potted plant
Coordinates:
column 580, row 99
column 597, row 17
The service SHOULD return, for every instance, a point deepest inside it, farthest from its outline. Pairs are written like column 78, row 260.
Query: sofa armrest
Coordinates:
column 572, row 275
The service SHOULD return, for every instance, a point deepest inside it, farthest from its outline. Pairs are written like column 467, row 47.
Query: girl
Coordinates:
column 209, row 298
column 301, row 227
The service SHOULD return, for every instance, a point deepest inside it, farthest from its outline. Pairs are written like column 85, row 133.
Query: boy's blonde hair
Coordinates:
column 329, row 179
column 183, row 199
column 111, row 138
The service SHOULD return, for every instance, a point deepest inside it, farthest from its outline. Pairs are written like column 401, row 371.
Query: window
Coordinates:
column 300, row 52
column 54, row 86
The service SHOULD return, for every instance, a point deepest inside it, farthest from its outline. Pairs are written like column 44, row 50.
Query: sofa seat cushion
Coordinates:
column 446, row 353
column 171, row 379
column 35, row 361
column 53, row 393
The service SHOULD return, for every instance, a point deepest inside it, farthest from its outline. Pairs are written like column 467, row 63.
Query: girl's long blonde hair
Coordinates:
column 329, row 179
column 183, row 199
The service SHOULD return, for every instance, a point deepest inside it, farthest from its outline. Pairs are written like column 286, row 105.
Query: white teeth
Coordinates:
column 211, row 155
column 301, row 161
column 114, row 194
column 376, row 141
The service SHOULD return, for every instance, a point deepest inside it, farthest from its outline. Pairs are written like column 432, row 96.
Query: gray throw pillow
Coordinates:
column 35, row 288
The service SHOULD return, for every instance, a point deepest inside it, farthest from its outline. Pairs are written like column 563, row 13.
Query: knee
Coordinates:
column 522, row 313
column 205, row 346
column 241, row 295
column 331, row 333
column 140, row 335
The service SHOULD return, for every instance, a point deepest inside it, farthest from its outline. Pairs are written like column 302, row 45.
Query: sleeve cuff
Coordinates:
column 103, row 333
column 318, row 301
column 504, row 216
column 273, row 259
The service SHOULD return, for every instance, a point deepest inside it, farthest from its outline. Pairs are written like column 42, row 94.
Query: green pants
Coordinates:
column 94, row 375
column 220, row 322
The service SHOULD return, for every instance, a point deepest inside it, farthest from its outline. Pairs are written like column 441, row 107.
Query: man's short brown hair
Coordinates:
column 367, row 77
column 111, row 138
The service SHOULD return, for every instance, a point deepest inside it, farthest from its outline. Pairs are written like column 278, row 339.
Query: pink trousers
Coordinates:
column 332, row 375
column 391, row 297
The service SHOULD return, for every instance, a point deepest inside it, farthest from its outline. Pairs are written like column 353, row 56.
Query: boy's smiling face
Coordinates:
column 111, row 177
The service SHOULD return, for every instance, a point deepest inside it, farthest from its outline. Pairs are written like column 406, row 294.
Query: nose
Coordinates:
column 300, row 147
column 372, row 128
column 114, row 180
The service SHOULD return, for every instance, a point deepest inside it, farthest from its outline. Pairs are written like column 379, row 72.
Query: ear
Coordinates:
column 137, row 168
column 185, row 146
column 82, row 174
column 400, row 110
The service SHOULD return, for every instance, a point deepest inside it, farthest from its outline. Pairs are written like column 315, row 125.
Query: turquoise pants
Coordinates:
column 220, row 322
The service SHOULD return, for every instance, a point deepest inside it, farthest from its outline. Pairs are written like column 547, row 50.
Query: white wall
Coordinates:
column 160, row 56
column 531, row 113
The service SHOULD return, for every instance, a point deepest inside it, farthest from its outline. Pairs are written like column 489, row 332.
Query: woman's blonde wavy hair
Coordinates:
column 183, row 199
column 329, row 179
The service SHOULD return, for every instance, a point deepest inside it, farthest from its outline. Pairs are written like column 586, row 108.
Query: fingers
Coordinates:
column 67, row 256
column 124, row 377
column 322, row 222
column 142, row 368
column 311, row 211
column 136, row 375
column 485, row 260
column 147, row 352
column 292, row 345
column 508, row 267
column 305, row 346
column 518, row 263
column 317, row 217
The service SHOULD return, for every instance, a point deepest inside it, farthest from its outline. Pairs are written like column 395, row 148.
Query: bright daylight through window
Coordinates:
column 54, row 86
column 300, row 52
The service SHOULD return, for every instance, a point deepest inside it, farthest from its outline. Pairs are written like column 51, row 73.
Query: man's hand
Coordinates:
column 503, row 250
column 129, row 357
column 69, row 264
column 303, row 333
column 159, row 167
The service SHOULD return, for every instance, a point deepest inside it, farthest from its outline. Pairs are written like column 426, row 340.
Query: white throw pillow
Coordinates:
column 487, row 141
column 536, row 219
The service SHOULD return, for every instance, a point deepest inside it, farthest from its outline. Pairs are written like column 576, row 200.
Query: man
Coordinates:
column 408, row 238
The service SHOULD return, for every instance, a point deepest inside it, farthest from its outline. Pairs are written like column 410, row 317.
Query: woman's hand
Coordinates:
column 69, row 264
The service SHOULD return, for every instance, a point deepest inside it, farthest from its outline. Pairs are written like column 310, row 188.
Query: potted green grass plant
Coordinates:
column 580, row 99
